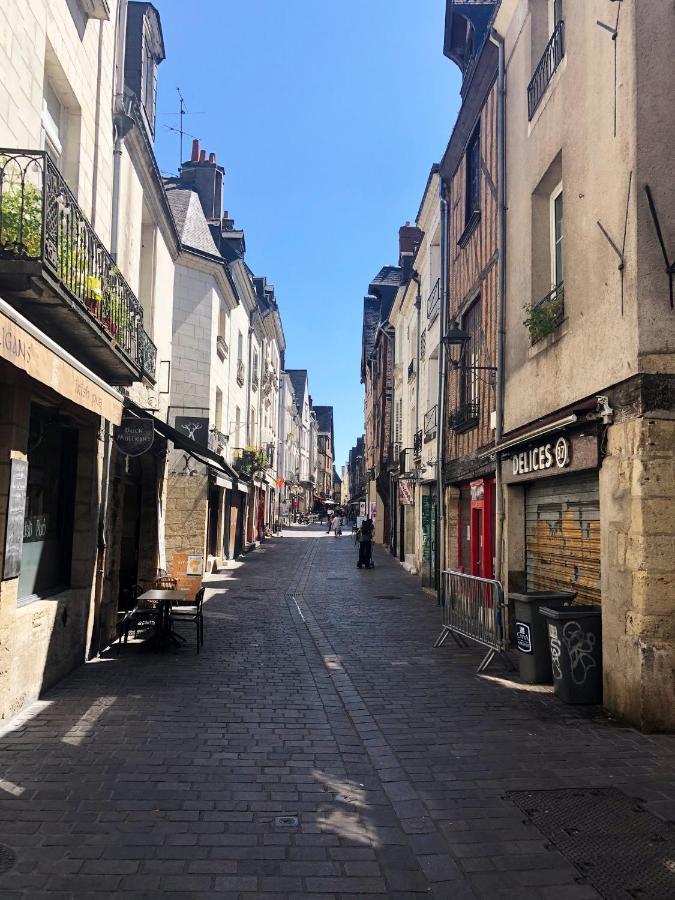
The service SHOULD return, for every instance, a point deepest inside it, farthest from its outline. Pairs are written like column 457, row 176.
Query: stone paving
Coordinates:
column 319, row 696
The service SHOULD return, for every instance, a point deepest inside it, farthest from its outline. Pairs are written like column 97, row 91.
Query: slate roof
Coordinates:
column 384, row 285
column 191, row 223
column 324, row 418
column 299, row 381
column 371, row 319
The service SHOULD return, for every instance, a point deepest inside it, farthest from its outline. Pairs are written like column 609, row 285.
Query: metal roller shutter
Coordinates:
column 562, row 527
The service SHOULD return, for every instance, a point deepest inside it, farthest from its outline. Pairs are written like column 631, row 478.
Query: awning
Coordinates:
column 26, row 347
column 182, row 442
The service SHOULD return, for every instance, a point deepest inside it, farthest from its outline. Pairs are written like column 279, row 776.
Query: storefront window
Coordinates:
column 50, row 502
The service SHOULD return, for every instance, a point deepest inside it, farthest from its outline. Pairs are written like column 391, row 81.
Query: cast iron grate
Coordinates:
column 7, row 858
column 622, row 850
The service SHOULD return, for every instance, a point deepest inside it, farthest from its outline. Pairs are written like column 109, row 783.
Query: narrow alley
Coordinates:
column 318, row 746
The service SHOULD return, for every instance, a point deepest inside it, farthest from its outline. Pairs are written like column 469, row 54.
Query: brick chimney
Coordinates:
column 409, row 237
column 206, row 178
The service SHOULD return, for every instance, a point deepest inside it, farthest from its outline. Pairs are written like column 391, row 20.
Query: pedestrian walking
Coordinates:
column 337, row 524
column 365, row 535
column 330, row 520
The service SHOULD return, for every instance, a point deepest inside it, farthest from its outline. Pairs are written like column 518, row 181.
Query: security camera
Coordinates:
column 604, row 410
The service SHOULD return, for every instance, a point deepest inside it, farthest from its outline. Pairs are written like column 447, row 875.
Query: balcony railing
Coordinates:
column 434, row 300
column 417, row 443
column 241, row 371
column 423, row 345
column 254, row 382
column 411, row 370
column 48, row 249
column 431, row 419
column 549, row 62
column 221, row 346
column 465, row 417
column 546, row 314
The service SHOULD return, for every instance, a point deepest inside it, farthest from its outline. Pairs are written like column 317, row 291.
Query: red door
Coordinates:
column 482, row 527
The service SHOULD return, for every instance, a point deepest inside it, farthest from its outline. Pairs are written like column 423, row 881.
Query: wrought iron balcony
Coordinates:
column 549, row 62
column 56, row 271
column 546, row 314
column 431, row 419
column 417, row 444
column 434, row 300
column 411, row 370
column 254, row 382
column 465, row 417
column 241, row 372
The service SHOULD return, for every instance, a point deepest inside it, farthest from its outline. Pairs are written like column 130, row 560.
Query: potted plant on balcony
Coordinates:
column 20, row 218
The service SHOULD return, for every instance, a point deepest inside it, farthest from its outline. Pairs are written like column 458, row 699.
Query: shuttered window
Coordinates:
column 562, row 521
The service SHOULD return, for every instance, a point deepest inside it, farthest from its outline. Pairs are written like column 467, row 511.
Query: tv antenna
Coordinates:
column 182, row 112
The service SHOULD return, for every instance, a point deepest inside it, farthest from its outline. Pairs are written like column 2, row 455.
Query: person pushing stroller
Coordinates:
column 365, row 539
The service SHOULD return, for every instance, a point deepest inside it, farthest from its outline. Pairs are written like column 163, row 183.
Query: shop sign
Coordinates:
column 477, row 490
column 134, row 436
column 553, row 457
column 195, row 428
column 405, row 492
column 523, row 637
column 27, row 353
column 16, row 508
column 362, row 509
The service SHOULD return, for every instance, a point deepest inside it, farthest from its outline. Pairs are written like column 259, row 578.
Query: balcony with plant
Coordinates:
column 543, row 317
column 55, row 270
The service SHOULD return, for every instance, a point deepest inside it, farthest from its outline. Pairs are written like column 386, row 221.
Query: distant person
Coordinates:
column 365, row 536
column 337, row 524
column 330, row 520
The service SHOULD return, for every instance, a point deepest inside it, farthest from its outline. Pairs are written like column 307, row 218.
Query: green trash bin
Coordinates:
column 534, row 658
column 575, row 640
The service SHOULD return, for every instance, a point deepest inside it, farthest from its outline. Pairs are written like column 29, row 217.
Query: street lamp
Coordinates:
column 456, row 340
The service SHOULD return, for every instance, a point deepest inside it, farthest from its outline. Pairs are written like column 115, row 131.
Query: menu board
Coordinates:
column 16, row 510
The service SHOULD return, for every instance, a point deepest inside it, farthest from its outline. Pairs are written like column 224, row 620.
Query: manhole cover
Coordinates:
column 622, row 850
column 7, row 858
column 287, row 821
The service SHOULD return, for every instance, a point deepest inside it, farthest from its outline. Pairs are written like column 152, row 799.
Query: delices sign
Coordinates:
column 558, row 455
column 545, row 456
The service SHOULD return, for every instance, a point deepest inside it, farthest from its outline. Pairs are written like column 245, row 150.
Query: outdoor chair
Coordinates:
column 135, row 616
column 191, row 614
column 164, row 581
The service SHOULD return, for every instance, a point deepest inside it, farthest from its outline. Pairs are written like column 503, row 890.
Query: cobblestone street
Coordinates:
column 319, row 695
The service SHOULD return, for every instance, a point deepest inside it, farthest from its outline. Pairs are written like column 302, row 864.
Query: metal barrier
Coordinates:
column 474, row 610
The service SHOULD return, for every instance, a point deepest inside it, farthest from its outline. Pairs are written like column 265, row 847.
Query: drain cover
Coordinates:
column 287, row 821
column 622, row 850
column 7, row 858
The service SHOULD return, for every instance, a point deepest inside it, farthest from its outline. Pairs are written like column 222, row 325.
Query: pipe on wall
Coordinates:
column 497, row 39
column 440, row 537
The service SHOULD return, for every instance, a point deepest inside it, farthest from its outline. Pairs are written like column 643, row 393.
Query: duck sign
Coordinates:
column 134, row 436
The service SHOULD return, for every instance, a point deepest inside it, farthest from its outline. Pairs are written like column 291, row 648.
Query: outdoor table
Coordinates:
column 164, row 599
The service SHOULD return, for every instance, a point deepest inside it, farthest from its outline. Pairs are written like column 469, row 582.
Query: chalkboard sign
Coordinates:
column 16, row 510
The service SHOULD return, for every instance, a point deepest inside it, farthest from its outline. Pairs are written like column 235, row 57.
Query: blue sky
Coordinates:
column 327, row 118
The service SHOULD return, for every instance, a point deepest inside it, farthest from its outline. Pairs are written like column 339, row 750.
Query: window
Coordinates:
column 53, row 122
column 50, row 505
column 468, row 385
column 473, row 177
column 222, row 315
column 149, row 82
column 219, row 410
column 557, row 237
column 240, row 347
column 555, row 14
column 237, row 426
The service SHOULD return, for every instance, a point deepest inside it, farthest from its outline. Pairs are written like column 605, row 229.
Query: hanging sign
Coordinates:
column 134, row 436
column 405, row 493
column 16, row 508
column 196, row 428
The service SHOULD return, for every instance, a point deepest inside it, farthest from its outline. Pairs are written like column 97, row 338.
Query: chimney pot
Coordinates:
column 202, row 156
column 195, row 150
column 212, row 158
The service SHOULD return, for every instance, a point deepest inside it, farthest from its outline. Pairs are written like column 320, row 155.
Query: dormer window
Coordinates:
column 143, row 53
